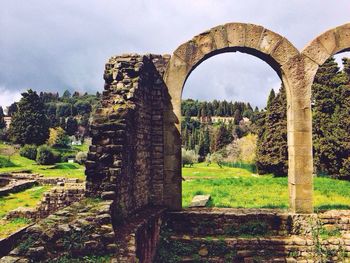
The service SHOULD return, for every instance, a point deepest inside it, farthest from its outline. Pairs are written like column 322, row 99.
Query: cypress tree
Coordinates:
column 331, row 118
column 272, row 151
column 271, row 97
column 237, row 116
column 29, row 124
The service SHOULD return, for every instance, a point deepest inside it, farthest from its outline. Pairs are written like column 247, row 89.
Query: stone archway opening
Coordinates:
column 285, row 59
column 243, row 79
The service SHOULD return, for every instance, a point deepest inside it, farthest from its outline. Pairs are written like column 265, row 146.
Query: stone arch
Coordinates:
column 284, row 58
column 329, row 43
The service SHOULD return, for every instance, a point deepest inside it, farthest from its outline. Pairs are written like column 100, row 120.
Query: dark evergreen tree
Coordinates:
column 331, row 142
column 237, row 116
column 12, row 109
column 222, row 138
column 71, row 126
column 29, row 124
column 271, row 97
column 272, row 150
column 2, row 120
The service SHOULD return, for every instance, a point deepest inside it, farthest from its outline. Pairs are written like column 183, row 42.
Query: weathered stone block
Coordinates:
column 235, row 34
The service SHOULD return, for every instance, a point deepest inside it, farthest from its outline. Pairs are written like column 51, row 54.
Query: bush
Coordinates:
column 28, row 151
column 45, row 155
column 217, row 158
column 81, row 157
column 58, row 138
column 189, row 157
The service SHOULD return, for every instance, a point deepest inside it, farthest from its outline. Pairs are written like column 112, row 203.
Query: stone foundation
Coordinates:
column 254, row 235
column 55, row 199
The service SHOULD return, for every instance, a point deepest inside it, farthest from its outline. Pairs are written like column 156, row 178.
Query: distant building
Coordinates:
column 7, row 121
column 216, row 119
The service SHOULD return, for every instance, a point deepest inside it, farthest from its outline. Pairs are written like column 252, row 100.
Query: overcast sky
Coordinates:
column 63, row 44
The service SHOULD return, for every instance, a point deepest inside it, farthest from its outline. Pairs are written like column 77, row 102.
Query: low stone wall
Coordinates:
column 220, row 221
column 84, row 228
column 40, row 178
column 17, row 186
column 52, row 201
column 254, row 235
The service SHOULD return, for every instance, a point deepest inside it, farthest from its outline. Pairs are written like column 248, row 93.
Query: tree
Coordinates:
column 272, row 149
column 204, row 143
column 271, row 98
column 66, row 94
column 189, row 157
column 58, row 138
column 12, row 109
column 82, row 107
column 331, row 124
column 71, row 126
column 2, row 120
column 222, row 138
column 63, row 109
column 29, row 124
column 237, row 116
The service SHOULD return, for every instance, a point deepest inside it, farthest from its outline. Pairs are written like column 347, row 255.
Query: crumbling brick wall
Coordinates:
column 125, row 161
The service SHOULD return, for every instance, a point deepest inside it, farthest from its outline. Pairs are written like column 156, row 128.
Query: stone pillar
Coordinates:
column 172, row 133
column 300, row 76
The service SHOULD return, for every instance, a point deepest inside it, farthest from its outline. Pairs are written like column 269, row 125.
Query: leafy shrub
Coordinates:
column 216, row 157
column 189, row 157
column 58, row 138
column 45, row 155
column 5, row 162
column 29, row 151
column 81, row 157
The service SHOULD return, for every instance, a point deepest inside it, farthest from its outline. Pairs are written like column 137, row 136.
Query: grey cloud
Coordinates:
column 55, row 45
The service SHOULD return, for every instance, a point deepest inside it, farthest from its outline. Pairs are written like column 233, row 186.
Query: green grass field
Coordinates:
column 18, row 163
column 235, row 187
column 28, row 198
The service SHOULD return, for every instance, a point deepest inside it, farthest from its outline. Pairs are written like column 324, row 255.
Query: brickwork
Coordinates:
column 53, row 200
column 125, row 162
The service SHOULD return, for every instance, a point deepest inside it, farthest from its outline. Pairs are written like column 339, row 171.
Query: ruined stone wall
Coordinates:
column 53, row 200
column 254, row 235
column 125, row 161
column 82, row 229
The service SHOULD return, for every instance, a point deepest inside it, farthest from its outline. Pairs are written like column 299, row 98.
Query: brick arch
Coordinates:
column 284, row 58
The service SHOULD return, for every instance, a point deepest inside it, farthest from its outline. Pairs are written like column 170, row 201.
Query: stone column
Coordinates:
column 300, row 162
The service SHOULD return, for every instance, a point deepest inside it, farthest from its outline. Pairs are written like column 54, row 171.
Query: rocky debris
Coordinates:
column 200, row 201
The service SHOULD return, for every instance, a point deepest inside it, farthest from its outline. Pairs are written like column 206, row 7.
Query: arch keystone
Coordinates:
column 235, row 34
column 220, row 37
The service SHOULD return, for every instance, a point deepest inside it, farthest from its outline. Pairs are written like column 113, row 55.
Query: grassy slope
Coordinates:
column 236, row 187
column 58, row 170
